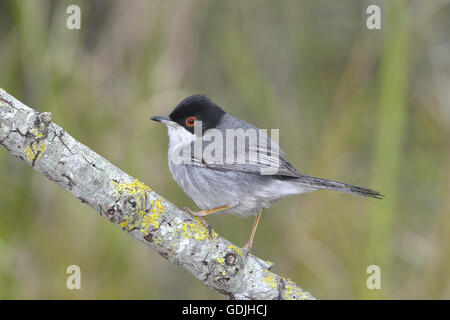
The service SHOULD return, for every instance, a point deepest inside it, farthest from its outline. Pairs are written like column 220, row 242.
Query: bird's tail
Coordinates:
column 318, row 183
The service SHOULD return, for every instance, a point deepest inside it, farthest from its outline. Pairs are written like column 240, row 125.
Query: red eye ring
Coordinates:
column 190, row 122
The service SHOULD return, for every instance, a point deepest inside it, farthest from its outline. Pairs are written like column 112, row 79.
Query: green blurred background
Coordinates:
column 367, row 107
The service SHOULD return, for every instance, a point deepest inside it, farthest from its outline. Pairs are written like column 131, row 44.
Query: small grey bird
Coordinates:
column 237, row 187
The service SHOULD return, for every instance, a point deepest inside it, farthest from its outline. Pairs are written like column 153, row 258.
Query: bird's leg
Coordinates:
column 249, row 244
column 203, row 213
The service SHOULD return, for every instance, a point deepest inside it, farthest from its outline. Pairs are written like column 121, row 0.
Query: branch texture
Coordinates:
column 135, row 208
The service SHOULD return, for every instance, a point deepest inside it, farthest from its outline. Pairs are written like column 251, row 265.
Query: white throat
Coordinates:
column 178, row 136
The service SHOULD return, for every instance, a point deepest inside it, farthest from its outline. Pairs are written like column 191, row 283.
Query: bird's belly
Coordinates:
column 212, row 188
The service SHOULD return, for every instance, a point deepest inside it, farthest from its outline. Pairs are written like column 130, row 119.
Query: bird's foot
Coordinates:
column 201, row 217
column 247, row 248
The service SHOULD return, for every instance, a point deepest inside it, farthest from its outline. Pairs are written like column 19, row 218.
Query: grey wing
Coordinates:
column 261, row 155
column 267, row 164
column 285, row 169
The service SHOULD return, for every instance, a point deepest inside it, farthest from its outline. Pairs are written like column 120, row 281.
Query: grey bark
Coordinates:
column 131, row 205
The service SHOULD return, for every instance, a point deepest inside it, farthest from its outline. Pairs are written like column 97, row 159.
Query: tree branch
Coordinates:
column 135, row 208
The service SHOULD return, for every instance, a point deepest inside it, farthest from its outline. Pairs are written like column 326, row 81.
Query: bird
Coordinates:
column 242, row 188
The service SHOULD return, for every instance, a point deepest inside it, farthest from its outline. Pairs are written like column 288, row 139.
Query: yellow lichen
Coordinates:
column 145, row 219
column 294, row 293
column 35, row 151
column 232, row 246
column 35, row 132
column 197, row 231
column 152, row 219
column 220, row 260
column 271, row 280
column 136, row 188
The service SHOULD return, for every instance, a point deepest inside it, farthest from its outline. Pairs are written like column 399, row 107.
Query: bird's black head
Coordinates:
column 197, row 107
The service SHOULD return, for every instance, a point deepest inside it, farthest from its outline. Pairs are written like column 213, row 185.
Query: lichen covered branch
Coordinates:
column 135, row 208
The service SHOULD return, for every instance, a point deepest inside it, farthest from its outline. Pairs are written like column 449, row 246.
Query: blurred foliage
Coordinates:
column 370, row 108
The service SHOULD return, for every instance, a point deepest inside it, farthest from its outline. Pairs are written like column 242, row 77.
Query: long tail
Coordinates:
column 338, row 186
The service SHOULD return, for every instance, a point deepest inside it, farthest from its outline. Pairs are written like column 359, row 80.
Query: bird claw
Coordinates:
column 209, row 228
column 247, row 248
column 206, row 224
column 201, row 218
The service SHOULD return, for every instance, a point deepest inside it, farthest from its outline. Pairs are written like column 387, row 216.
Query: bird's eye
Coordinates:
column 190, row 122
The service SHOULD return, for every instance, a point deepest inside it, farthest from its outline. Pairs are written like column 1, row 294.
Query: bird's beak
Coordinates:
column 160, row 118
